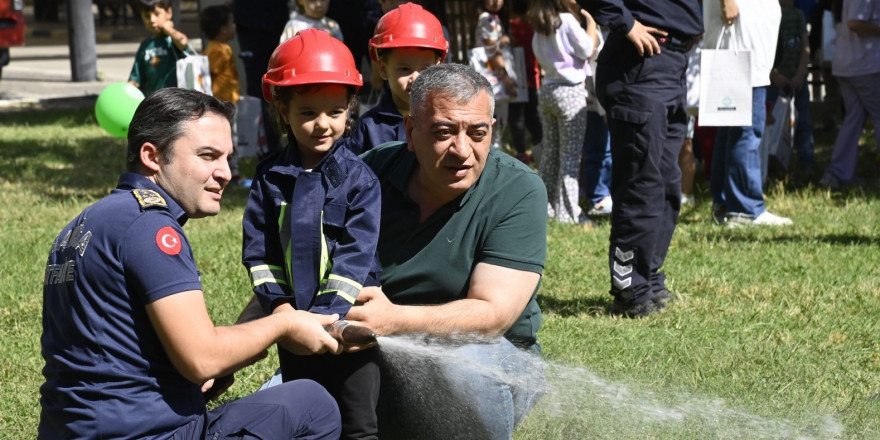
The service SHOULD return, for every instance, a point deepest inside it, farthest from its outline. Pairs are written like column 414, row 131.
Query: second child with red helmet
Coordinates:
column 407, row 39
column 311, row 223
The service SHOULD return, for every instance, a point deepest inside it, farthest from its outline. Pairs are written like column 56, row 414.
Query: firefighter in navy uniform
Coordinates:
column 640, row 81
column 130, row 350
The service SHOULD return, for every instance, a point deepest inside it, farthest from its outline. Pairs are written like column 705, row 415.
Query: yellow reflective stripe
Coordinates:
column 265, row 273
column 284, row 226
column 325, row 254
column 343, row 287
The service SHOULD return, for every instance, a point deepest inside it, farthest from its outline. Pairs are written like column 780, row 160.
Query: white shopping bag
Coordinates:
column 515, row 65
column 251, row 135
column 725, row 85
column 194, row 73
column 776, row 144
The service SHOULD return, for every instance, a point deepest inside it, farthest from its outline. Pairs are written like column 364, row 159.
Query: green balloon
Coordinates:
column 115, row 107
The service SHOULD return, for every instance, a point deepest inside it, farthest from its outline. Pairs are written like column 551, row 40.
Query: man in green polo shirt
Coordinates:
column 462, row 245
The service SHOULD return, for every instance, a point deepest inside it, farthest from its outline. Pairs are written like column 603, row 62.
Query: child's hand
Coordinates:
column 592, row 30
column 509, row 85
column 168, row 27
column 779, row 80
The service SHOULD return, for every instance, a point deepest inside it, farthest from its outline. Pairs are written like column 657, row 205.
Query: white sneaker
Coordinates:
column 770, row 219
column 602, row 209
column 766, row 218
column 687, row 200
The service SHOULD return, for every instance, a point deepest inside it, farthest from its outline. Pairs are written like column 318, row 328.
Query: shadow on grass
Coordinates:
column 63, row 167
column 592, row 306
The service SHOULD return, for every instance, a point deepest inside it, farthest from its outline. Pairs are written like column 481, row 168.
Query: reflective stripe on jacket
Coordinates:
column 312, row 234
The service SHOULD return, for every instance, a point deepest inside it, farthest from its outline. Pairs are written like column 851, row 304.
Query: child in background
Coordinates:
column 311, row 223
column 524, row 115
column 311, row 14
column 789, row 77
column 563, row 49
column 407, row 40
column 687, row 157
column 595, row 178
column 155, row 63
column 219, row 26
column 490, row 33
column 387, row 6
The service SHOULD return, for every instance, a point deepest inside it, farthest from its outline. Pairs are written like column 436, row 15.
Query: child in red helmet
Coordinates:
column 312, row 218
column 407, row 39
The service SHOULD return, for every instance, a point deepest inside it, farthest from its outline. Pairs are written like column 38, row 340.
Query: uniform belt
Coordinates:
column 675, row 43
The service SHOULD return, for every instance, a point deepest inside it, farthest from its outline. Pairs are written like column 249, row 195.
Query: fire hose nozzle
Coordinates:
column 350, row 333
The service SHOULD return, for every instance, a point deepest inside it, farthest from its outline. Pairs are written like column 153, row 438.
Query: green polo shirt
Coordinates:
column 500, row 220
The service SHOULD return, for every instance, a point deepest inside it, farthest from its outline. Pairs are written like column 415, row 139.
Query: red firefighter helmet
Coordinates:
column 409, row 25
column 312, row 56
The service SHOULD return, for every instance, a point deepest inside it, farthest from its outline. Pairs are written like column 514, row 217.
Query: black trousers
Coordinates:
column 351, row 378
column 523, row 116
column 644, row 98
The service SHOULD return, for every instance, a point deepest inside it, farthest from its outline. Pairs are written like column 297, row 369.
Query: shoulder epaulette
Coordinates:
column 148, row 198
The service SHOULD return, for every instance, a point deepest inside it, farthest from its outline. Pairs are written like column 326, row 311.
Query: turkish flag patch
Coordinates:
column 168, row 240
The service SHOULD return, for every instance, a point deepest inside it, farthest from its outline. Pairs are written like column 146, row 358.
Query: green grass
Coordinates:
column 775, row 334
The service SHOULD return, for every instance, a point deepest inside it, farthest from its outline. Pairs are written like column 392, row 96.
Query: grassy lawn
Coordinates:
column 775, row 335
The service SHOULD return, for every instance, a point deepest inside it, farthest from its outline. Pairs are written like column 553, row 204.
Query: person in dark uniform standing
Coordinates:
column 641, row 83
column 130, row 350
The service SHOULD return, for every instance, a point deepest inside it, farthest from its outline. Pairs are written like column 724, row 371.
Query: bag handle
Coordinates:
column 730, row 32
column 187, row 51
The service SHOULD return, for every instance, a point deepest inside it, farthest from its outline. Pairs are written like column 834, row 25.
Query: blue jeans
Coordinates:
column 432, row 390
column 803, row 124
column 596, row 162
column 735, row 182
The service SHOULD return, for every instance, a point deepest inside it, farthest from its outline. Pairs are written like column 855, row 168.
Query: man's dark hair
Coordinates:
column 149, row 5
column 160, row 120
column 213, row 18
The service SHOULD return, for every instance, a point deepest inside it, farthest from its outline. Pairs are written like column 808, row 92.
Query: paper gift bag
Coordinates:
column 251, row 134
column 725, row 86
column 776, row 144
column 194, row 73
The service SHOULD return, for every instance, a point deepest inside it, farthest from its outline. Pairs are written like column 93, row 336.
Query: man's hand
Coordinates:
column 213, row 388
column 729, row 12
column 306, row 334
column 642, row 37
column 376, row 312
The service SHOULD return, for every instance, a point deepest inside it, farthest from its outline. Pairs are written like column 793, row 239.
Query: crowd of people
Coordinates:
column 408, row 217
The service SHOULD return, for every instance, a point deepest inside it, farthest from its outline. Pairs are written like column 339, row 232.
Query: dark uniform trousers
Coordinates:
column 352, row 379
column 644, row 98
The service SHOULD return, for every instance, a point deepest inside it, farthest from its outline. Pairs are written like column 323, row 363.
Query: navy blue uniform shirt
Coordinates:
column 107, row 374
column 380, row 124
column 681, row 18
